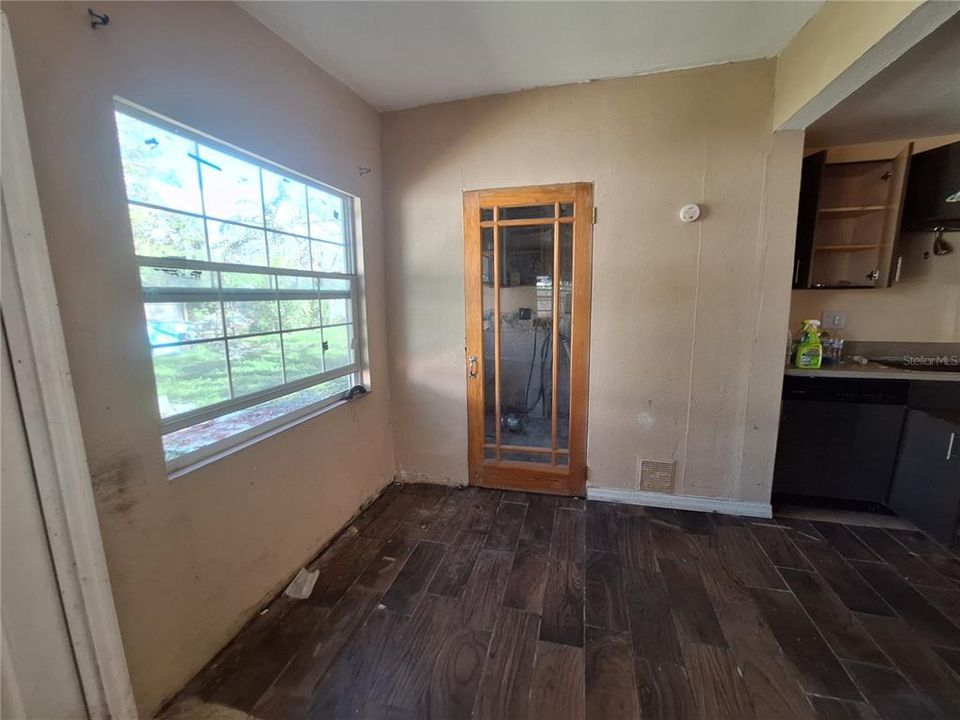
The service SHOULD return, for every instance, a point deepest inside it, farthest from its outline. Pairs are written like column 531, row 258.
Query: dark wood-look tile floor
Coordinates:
column 469, row 603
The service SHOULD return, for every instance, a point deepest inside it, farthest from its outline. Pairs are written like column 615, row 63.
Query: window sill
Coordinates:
column 201, row 458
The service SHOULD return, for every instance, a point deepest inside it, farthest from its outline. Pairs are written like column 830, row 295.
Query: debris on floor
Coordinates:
column 302, row 585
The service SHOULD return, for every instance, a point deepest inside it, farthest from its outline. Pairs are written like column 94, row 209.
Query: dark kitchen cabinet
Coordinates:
column 838, row 438
column 934, row 177
column 810, row 177
column 926, row 482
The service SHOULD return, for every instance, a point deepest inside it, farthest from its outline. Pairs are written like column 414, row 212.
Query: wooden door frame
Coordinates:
column 31, row 318
column 557, row 480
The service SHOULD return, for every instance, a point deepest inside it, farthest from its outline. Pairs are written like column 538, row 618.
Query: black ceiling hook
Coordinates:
column 97, row 20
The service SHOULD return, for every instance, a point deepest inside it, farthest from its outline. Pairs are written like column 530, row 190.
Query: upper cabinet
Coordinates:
column 849, row 222
column 933, row 190
column 810, row 177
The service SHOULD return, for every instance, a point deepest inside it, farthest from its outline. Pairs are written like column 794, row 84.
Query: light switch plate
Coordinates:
column 833, row 319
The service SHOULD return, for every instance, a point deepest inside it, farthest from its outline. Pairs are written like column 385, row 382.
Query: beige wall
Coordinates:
column 190, row 560
column 687, row 337
column 925, row 305
column 836, row 37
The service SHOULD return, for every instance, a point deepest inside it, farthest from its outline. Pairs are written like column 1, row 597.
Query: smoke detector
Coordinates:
column 690, row 213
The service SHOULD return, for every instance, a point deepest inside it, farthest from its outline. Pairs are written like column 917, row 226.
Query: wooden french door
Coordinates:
column 527, row 271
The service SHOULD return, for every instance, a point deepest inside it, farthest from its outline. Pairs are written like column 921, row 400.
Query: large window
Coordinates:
column 249, row 285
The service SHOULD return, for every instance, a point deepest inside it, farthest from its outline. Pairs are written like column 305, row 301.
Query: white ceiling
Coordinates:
column 404, row 54
column 916, row 96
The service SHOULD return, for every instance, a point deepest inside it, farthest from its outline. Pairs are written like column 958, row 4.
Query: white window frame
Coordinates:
column 186, row 461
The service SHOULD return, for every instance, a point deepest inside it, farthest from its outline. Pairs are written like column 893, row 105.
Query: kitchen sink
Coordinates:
column 901, row 364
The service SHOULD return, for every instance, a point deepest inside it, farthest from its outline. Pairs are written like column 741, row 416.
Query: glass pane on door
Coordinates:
column 528, row 212
column 526, row 339
column 564, row 325
column 489, row 341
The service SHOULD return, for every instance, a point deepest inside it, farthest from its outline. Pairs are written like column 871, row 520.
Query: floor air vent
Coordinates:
column 656, row 476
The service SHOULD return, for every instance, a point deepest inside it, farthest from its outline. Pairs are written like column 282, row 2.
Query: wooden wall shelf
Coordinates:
column 848, row 221
column 851, row 212
column 844, row 248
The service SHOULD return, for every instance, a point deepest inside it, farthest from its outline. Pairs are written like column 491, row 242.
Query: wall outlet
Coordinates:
column 833, row 319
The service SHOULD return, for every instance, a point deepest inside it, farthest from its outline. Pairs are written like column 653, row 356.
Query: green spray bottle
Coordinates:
column 810, row 350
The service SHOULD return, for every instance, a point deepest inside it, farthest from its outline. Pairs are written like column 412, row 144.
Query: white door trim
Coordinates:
column 32, row 320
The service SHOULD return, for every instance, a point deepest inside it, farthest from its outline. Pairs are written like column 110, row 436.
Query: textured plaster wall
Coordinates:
column 688, row 320
column 191, row 559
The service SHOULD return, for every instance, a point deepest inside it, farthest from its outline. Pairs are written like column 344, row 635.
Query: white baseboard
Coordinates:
column 682, row 502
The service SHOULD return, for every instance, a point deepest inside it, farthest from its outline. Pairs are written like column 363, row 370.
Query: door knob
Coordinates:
column 472, row 366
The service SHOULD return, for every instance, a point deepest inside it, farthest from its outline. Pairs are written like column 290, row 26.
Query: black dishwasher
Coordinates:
column 838, row 437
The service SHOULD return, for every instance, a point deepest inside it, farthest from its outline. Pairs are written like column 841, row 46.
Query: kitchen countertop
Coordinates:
column 848, row 369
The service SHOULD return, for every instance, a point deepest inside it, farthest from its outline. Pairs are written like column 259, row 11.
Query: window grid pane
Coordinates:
column 180, row 443
column 175, row 326
column 262, row 317
column 219, row 335
column 189, row 377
